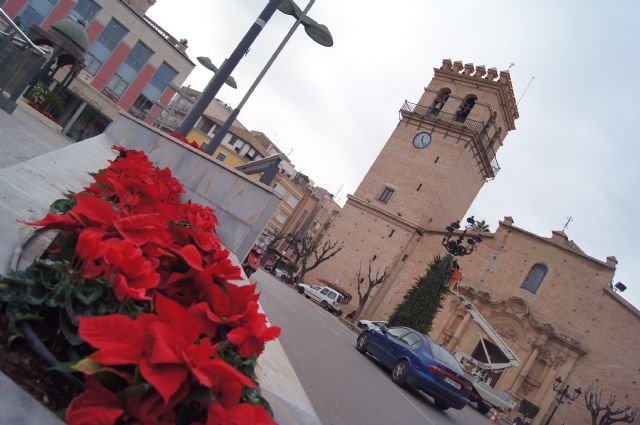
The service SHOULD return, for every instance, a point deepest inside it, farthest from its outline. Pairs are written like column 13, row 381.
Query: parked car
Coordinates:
column 367, row 324
column 300, row 287
column 328, row 298
column 419, row 362
column 283, row 275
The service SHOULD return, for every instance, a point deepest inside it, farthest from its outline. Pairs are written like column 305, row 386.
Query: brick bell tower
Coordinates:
column 437, row 159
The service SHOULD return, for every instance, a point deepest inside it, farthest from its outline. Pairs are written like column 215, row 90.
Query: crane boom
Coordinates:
column 481, row 322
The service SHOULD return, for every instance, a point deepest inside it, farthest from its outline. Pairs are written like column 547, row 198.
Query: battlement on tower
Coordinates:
column 481, row 73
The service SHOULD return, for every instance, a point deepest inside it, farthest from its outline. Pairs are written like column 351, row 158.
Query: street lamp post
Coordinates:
column 209, row 93
column 459, row 246
column 318, row 33
column 562, row 395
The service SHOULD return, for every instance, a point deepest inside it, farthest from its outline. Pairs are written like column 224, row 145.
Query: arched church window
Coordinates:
column 465, row 108
column 441, row 99
column 534, row 278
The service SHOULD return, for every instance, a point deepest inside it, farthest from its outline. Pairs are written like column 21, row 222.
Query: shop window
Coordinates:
column 221, row 157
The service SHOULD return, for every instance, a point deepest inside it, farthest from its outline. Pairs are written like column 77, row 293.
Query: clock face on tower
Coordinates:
column 422, row 140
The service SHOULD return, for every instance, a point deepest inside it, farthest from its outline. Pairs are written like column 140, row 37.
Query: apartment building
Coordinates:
column 131, row 63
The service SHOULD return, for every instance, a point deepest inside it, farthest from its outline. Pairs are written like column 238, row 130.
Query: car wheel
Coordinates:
column 324, row 305
column 300, row 290
column 483, row 408
column 400, row 372
column 440, row 405
column 361, row 343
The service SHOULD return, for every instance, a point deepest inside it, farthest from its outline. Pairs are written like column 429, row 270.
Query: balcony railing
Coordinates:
column 180, row 106
column 486, row 152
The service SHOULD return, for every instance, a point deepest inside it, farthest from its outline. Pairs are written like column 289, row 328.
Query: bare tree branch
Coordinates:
column 372, row 282
column 607, row 414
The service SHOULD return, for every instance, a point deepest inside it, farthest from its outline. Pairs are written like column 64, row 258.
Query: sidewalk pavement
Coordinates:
column 22, row 138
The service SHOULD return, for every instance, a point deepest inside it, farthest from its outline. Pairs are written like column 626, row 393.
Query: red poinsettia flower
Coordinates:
column 132, row 273
column 150, row 410
column 93, row 212
column 241, row 414
column 64, row 222
column 165, row 346
column 95, row 406
column 251, row 337
column 90, row 245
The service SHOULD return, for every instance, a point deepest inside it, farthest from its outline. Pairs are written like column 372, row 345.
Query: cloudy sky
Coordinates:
column 576, row 148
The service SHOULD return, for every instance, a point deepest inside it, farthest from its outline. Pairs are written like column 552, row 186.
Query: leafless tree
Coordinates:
column 309, row 252
column 372, row 282
column 607, row 414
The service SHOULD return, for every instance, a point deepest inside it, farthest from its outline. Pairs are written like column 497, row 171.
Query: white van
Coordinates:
column 328, row 298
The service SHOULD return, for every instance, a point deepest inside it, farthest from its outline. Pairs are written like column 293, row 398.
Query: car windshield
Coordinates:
column 445, row 357
column 316, row 287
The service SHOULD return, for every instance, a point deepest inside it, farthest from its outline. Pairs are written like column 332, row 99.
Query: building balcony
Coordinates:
column 482, row 146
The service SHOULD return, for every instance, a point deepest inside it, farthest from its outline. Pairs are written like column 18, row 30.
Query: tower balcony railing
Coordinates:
column 482, row 142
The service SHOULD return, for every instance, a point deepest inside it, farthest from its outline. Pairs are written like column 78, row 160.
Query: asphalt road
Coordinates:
column 345, row 387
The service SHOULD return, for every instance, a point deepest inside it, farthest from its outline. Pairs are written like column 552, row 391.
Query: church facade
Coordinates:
column 551, row 302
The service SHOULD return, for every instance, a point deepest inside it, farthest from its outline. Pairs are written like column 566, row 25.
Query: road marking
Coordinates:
column 411, row 403
column 400, row 391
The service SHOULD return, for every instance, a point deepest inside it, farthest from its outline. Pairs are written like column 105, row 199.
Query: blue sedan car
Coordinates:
column 419, row 362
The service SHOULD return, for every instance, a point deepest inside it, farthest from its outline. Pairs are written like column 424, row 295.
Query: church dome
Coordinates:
column 73, row 31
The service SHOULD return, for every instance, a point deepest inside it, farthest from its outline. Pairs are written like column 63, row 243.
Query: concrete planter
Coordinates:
column 243, row 208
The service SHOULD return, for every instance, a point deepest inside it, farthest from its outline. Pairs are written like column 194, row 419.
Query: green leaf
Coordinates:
column 59, row 295
column 65, row 367
column 134, row 389
column 71, row 314
column 17, row 312
column 35, row 294
column 68, row 247
column 88, row 292
column 63, row 205
column 69, row 331
column 129, row 308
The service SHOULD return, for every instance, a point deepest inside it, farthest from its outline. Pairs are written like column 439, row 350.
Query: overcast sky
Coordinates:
column 575, row 151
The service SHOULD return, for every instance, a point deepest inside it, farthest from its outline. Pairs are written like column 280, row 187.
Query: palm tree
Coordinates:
column 480, row 226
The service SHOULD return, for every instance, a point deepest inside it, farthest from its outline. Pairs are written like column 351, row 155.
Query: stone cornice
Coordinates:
column 380, row 213
column 626, row 304
column 554, row 243
column 478, row 76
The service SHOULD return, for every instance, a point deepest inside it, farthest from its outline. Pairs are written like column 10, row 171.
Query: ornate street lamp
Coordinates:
column 460, row 245
column 562, row 395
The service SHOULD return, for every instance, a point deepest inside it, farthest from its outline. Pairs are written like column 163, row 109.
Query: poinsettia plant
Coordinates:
column 187, row 141
column 139, row 286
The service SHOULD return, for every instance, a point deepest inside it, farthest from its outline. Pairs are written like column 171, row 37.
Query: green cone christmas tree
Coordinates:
column 424, row 299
